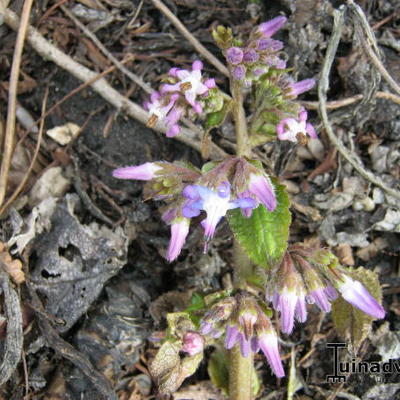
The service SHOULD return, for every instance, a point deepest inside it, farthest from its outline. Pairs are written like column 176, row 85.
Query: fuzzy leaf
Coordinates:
column 264, row 235
column 351, row 323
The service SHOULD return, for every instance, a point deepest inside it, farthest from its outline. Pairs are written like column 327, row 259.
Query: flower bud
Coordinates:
column 193, row 343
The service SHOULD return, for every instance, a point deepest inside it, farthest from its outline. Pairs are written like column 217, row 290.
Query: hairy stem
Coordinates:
column 240, row 368
column 242, row 138
column 240, row 375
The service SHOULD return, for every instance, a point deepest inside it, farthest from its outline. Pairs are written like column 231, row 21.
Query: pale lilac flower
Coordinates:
column 261, row 186
column 193, row 343
column 357, row 295
column 268, row 342
column 290, row 128
column 144, row 172
column 191, row 84
column 269, row 28
column 319, row 297
column 291, row 303
column 215, row 203
column 301, row 86
column 234, row 55
column 179, row 232
column 160, row 106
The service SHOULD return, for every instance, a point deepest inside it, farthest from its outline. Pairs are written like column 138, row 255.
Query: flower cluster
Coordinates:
column 222, row 186
column 244, row 323
column 185, row 92
column 306, row 276
column 247, row 63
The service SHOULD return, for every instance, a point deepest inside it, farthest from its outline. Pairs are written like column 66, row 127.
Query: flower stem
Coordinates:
column 241, row 375
column 242, row 138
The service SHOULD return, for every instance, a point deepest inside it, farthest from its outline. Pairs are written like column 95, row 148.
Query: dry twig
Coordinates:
column 322, row 93
column 335, row 104
column 22, row 184
column 193, row 41
column 12, row 96
column 101, row 86
column 371, row 47
column 133, row 77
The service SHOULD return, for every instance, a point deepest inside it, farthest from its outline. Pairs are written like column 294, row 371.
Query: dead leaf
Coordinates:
column 11, row 266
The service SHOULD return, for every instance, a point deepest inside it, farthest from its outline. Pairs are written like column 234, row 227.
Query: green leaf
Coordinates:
column 264, row 235
column 351, row 323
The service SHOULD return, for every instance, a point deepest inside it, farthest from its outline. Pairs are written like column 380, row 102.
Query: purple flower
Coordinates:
column 291, row 305
column 239, row 72
column 301, row 87
column 179, row 232
column 250, row 56
column 357, row 295
column 291, row 128
column 234, row 55
column 261, row 186
column 175, row 99
column 190, row 84
column 215, row 203
column 269, row 28
column 268, row 342
column 193, row 343
column 144, row 172
column 269, row 44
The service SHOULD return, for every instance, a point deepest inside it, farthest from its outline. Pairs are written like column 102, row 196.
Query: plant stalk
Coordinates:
column 241, row 369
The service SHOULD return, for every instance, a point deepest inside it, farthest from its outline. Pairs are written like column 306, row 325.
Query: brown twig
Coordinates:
column 12, row 98
column 101, row 86
column 334, row 105
column 323, row 87
column 371, row 47
column 192, row 40
column 20, row 187
column 133, row 77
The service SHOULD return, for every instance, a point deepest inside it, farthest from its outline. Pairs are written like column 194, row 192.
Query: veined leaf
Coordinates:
column 264, row 235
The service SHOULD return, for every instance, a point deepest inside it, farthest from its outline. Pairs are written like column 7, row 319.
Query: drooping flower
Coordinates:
column 288, row 295
column 230, row 184
column 247, row 326
column 144, row 172
column 297, row 88
column 357, row 295
column 179, row 232
column 269, row 28
column 296, row 130
column 314, row 277
column 260, row 185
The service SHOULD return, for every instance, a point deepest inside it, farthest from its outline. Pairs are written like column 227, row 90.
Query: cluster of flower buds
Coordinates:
column 221, row 186
column 244, row 323
column 183, row 93
column 315, row 277
column 248, row 62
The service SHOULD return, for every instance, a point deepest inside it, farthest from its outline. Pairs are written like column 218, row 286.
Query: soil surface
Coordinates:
column 97, row 284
